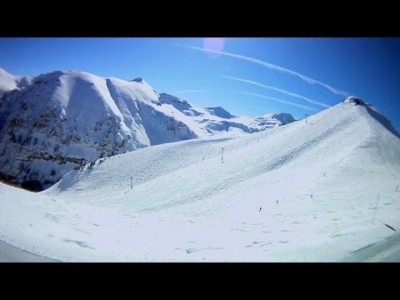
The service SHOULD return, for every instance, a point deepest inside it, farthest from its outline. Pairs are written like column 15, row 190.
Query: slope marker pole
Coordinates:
column 376, row 208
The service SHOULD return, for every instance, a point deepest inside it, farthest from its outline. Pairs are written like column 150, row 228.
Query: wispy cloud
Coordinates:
column 272, row 67
column 190, row 91
column 277, row 89
column 279, row 100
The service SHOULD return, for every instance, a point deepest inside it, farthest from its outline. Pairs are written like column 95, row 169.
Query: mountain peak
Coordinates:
column 219, row 112
column 355, row 100
column 138, row 79
column 372, row 112
column 285, row 118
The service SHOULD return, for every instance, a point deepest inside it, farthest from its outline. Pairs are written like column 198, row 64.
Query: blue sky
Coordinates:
column 246, row 76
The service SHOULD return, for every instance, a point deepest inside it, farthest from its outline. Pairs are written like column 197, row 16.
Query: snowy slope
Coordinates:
column 63, row 120
column 309, row 191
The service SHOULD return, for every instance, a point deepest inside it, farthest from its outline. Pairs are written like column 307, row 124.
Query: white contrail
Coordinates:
column 272, row 67
column 279, row 100
column 277, row 89
column 190, row 91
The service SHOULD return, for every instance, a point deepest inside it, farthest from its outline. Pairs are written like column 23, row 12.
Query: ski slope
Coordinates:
column 314, row 190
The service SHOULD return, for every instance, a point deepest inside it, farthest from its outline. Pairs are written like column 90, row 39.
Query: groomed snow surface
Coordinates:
column 319, row 189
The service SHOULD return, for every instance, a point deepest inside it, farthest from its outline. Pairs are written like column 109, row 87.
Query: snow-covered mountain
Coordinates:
column 315, row 190
column 212, row 121
column 219, row 112
column 59, row 121
column 10, row 82
column 63, row 120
